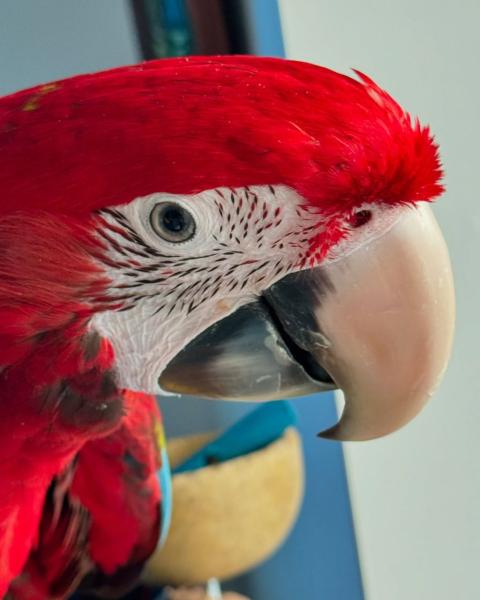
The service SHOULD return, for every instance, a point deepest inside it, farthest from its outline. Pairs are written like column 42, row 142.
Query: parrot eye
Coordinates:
column 172, row 222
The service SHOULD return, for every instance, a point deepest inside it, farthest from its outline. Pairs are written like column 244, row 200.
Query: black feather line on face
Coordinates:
column 186, row 282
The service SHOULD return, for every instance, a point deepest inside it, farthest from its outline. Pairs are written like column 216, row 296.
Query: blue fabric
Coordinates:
column 256, row 430
column 165, row 480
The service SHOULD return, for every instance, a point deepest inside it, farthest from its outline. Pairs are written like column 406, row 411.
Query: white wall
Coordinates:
column 416, row 494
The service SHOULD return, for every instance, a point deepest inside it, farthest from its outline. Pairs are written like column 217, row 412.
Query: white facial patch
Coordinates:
column 245, row 240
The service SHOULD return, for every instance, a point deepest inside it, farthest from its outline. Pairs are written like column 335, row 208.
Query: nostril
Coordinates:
column 360, row 218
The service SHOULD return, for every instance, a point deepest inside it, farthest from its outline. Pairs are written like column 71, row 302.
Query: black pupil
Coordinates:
column 173, row 219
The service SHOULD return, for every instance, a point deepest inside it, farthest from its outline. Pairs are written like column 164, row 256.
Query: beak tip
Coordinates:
column 330, row 434
column 340, row 432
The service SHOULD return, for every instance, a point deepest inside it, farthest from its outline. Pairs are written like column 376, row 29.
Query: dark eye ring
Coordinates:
column 172, row 222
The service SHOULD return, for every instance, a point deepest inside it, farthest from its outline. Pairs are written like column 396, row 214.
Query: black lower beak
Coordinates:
column 249, row 355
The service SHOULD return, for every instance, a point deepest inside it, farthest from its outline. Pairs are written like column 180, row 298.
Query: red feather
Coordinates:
column 53, row 401
column 101, row 518
column 190, row 124
column 56, row 386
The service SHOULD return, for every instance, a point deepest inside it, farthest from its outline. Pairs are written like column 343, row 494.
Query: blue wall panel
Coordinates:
column 319, row 559
column 264, row 27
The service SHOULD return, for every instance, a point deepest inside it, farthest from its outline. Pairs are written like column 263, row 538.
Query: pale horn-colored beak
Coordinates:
column 388, row 321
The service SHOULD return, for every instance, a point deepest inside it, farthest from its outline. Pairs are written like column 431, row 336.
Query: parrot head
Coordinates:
column 234, row 227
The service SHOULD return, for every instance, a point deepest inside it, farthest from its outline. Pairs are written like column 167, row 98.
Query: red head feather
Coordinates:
column 189, row 124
